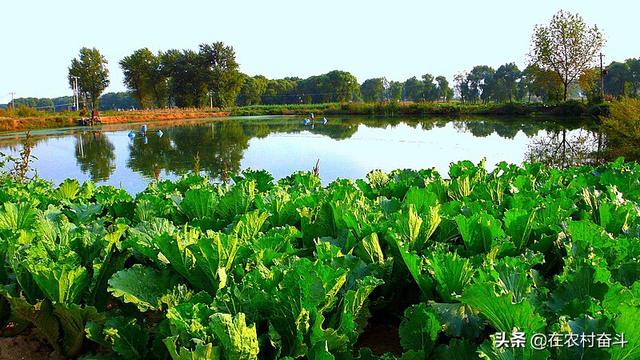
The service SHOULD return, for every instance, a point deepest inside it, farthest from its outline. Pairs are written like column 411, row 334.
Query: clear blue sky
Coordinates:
column 397, row 39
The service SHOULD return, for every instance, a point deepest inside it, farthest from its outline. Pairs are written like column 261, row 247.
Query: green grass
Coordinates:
column 569, row 108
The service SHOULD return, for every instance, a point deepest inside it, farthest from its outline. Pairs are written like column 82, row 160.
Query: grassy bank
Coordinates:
column 29, row 119
column 569, row 108
column 32, row 119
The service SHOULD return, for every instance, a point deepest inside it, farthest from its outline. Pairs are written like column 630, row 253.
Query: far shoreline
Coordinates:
column 564, row 111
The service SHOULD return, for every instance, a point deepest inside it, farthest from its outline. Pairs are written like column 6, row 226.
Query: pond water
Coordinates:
column 346, row 147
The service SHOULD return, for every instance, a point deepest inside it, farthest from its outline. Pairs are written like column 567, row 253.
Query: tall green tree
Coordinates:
column 334, row 86
column 461, row 86
column 567, row 46
column 137, row 69
column 394, row 92
column 252, row 90
column 413, row 89
column 221, row 71
column 480, row 80
column 525, row 85
column 545, row 84
column 281, row 91
column 168, row 61
column 429, row 88
column 341, row 86
column 159, row 81
column 189, row 80
column 506, row 78
column 445, row 93
column 373, row 89
column 634, row 76
column 616, row 82
column 93, row 76
column 589, row 83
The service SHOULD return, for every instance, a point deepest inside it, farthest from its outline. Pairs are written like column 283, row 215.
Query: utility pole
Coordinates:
column 76, row 93
column 601, row 78
column 13, row 104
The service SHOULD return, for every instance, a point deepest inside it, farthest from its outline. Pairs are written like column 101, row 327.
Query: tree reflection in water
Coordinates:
column 180, row 149
column 95, row 155
column 564, row 148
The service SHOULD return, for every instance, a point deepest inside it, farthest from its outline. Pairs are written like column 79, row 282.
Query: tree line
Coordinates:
column 108, row 101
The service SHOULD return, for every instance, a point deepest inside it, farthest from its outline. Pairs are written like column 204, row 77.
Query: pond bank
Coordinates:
column 49, row 121
column 569, row 109
column 566, row 109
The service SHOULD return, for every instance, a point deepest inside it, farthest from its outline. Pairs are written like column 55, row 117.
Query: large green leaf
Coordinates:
column 518, row 225
column 68, row 190
column 249, row 225
column 17, row 217
column 479, row 231
column 237, row 201
column 190, row 321
column 215, row 255
column 239, row 341
column 352, row 311
column 141, row 286
column 458, row 320
column 577, row 291
column 62, row 325
column 112, row 261
column 60, row 282
column 176, row 249
column 419, row 328
column 451, row 272
column 498, row 309
column 199, row 203
column 201, row 351
column 142, row 238
column 627, row 325
column 369, row 249
column 413, row 262
column 123, row 335
column 83, row 213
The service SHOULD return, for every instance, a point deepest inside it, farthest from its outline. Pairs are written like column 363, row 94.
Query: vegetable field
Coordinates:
column 461, row 266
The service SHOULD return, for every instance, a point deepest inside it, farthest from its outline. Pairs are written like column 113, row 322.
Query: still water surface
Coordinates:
column 347, row 147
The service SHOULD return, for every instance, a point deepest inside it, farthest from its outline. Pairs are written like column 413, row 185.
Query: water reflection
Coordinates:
column 215, row 147
column 347, row 147
column 561, row 149
column 95, row 155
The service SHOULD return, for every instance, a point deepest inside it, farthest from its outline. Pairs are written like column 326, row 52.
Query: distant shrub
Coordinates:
column 599, row 110
column 571, row 108
column 422, row 108
column 624, row 117
column 25, row 111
